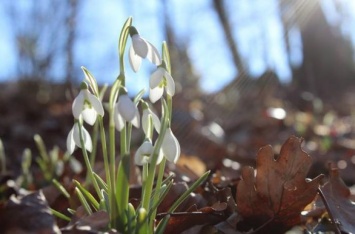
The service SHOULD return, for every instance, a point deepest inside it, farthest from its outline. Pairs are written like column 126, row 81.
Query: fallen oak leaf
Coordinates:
column 274, row 198
column 336, row 197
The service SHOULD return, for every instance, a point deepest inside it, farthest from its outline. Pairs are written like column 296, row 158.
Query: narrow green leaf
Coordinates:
column 90, row 198
column 60, row 215
column 163, row 191
column 102, row 184
column 187, row 192
column 162, row 225
column 61, row 188
column 83, row 201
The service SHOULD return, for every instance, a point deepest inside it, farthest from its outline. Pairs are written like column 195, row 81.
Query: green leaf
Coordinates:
column 163, row 191
column 61, row 188
column 83, row 201
column 60, row 215
column 187, row 192
column 87, row 195
column 102, row 184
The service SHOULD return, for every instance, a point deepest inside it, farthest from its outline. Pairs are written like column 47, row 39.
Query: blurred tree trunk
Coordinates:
column 219, row 7
column 182, row 68
column 71, row 24
column 327, row 66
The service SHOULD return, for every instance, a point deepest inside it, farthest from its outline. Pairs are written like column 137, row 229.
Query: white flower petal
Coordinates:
column 87, row 140
column 140, row 46
column 78, row 104
column 155, row 94
column 160, row 157
column 70, row 142
column 170, row 84
column 119, row 121
column 143, row 153
column 76, row 135
column 89, row 115
column 136, row 120
column 86, row 137
column 126, row 108
column 171, row 146
column 134, row 60
column 156, row 121
column 156, row 77
column 153, row 54
column 96, row 104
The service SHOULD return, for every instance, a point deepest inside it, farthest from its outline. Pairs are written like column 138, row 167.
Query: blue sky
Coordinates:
column 256, row 28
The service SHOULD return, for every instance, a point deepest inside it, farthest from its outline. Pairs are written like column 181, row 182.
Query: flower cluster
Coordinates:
column 86, row 106
column 159, row 145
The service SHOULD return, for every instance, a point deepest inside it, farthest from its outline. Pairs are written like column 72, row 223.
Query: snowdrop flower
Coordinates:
column 141, row 48
column 170, row 146
column 144, row 153
column 125, row 111
column 145, row 120
column 158, row 80
column 73, row 139
column 87, row 105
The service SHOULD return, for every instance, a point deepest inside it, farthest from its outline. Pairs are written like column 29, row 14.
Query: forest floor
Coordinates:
column 308, row 136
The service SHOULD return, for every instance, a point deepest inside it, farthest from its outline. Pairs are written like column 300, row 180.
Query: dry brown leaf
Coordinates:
column 27, row 214
column 279, row 191
column 335, row 195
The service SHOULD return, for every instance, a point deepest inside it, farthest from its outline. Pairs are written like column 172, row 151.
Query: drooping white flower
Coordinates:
column 144, row 153
column 73, row 139
column 87, row 105
column 126, row 111
column 145, row 120
column 158, row 80
column 170, row 146
column 141, row 48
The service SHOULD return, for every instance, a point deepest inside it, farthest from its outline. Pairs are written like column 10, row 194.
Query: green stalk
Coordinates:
column 151, row 172
column 94, row 143
column 158, row 185
column 122, row 179
column 87, row 162
column 104, row 151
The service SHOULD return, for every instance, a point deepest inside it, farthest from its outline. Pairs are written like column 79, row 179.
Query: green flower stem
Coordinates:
column 151, row 172
column 112, row 169
column 87, row 162
column 158, row 185
column 104, row 151
column 94, row 148
column 122, row 179
column 95, row 133
column 170, row 107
